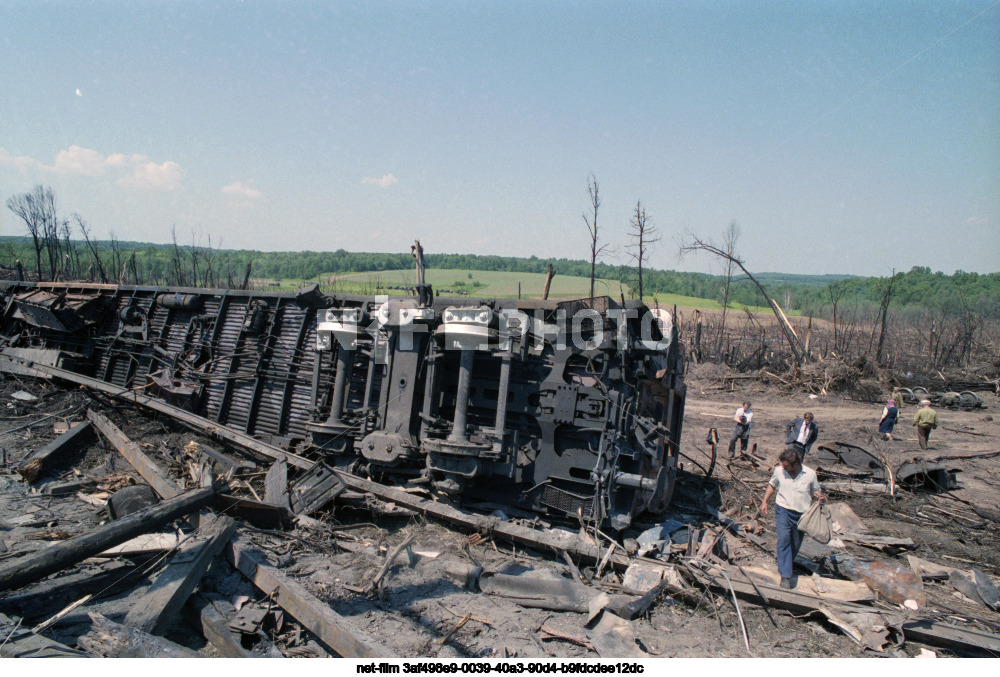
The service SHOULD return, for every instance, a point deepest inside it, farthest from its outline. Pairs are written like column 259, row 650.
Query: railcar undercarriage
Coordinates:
column 570, row 408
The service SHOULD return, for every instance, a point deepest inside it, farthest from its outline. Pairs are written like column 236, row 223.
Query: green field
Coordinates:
column 492, row 284
column 489, row 283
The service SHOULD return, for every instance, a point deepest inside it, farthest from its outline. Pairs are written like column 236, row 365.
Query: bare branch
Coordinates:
column 695, row 244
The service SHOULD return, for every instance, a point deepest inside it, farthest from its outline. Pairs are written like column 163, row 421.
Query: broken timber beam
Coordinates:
column 276, row 484
column 21, row 642
column 35, row 465
column 875, row 541
column 57, row 557
column 158, row 607
column 315, row 615
column 213, row 626
column 209, row 428
column 161, row 482
column 937, row 633
column 49, row 597
column 224, row 462
column 113, row 640
column 554, row 540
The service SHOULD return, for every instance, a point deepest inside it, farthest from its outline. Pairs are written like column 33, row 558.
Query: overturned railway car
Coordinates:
column 566, row 407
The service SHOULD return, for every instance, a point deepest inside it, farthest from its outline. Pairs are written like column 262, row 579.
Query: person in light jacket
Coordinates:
column 801, row 433
column 796, row 487
column 926, row 420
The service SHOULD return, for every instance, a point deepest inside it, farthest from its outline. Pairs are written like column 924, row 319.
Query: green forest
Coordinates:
column 203, row 266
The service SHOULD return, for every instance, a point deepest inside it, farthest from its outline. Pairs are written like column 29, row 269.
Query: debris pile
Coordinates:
column 122, row 535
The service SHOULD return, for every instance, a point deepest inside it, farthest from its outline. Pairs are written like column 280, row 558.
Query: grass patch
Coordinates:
column 493, row 284
column 486, row 283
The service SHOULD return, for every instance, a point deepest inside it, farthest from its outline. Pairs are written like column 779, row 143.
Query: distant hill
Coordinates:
column 166, row 264
column 767, row 279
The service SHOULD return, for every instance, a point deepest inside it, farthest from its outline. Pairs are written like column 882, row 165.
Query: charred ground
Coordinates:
column 422, row 606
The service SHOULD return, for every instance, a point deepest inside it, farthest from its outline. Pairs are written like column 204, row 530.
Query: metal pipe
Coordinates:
column 459, row 433
column 345, row 362
column 636, row 481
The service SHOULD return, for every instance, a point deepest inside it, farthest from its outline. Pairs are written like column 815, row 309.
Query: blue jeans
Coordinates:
column 786, row 524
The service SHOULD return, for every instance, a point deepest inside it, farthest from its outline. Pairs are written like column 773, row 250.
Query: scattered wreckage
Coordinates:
column 564, row 407
column 861, row 463
column 686, row 558
column 949, row 399
column 316, row 410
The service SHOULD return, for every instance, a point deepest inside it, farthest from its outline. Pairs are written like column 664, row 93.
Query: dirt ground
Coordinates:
column 423, row 610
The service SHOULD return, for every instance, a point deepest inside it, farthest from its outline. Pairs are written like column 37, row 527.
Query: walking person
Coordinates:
column 796, row 487
column 897, row 396
column 742, row 418
column 890, row 415
column 801, row 433
column 926, row 420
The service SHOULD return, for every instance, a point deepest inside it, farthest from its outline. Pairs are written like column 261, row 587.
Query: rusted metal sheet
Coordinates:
column 890, row 580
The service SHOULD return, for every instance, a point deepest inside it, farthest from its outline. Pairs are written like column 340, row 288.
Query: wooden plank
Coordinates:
column 796, row 601
column 159, row 605
column 35, row 465
column 853, row 487
column 213, row 626
column 143, row 544
column 113, row 640
column 50, row 596
column 875, row 541
column 20, row 642
column 937, row 633
column 331, row 628
column 224, row 462
column 545, row 540
column 162, row 483
column 41, row 563
column 825, row 588
column 276, row 484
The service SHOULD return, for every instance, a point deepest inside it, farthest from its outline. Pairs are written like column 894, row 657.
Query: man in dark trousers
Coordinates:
column 796, row 487
column 742, row 418
column 801, row 433
column 926, row 420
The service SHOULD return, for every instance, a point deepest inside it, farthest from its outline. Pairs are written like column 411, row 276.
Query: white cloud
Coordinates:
column 122, row 160
column 163, row 176
column 386, row 181
column 79, row 160
column 22, row 162
column 237, row 189
column 76, row 160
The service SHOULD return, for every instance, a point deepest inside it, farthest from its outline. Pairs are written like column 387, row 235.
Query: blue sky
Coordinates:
column 842, row 137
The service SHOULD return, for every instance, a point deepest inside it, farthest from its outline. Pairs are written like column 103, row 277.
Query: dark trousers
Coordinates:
column 741, row 433
column 798, row 448
column 923, row 435
column 786, row 524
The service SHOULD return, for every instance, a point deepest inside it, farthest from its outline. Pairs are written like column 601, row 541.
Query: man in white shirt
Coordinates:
column 796, row 486
column 742, row 431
